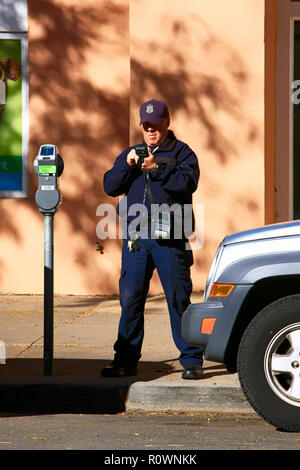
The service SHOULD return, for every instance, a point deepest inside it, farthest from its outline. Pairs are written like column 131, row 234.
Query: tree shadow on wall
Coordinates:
column 197, row 91
column 90, row 125
column 87, row 123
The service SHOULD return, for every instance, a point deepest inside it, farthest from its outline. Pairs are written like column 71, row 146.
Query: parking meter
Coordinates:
column 48, row 165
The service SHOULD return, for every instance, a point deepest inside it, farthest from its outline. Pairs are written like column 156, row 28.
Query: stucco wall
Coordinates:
column 91, row 64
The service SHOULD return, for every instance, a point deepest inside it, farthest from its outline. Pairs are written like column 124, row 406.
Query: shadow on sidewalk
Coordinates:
column 75, row 386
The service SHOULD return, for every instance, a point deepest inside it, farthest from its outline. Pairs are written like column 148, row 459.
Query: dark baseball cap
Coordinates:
column 153, row 111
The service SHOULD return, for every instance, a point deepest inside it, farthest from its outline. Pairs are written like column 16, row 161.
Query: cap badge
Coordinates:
column 149, row 109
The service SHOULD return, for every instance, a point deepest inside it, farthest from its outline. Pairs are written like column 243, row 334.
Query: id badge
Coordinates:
column 162, row 225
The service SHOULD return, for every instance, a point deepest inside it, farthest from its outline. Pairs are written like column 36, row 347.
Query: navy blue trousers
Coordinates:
column 173, row 263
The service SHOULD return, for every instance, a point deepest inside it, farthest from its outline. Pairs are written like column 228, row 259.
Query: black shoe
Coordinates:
column 118, row 371
column 193, row 371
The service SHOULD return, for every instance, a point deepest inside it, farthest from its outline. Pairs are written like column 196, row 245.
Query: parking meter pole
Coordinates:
column 48, row 294
column 48, row 166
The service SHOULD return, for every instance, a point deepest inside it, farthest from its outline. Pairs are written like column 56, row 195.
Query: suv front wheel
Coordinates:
column 269, row 363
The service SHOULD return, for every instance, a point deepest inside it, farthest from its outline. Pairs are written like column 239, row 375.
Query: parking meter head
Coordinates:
column 48, row 166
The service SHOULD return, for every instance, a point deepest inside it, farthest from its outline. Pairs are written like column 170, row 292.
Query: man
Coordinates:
column 168, row 175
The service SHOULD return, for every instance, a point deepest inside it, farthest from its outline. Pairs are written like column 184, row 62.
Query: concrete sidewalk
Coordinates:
column 84, row 334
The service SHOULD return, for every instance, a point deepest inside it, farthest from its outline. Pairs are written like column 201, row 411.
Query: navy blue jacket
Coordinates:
column 173, row 182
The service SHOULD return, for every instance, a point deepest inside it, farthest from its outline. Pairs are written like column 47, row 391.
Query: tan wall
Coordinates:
column 91, row 64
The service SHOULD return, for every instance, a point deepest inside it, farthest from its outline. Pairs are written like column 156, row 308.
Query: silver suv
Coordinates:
column 250, row 318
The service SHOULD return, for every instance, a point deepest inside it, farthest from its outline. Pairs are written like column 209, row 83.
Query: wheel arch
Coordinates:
column 263, row 292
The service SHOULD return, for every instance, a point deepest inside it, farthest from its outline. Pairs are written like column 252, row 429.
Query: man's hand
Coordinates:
column 149, row 162
column 132, row 158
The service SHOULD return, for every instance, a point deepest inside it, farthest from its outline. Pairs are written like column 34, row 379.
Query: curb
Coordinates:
column 65, row 396
column 201, row 399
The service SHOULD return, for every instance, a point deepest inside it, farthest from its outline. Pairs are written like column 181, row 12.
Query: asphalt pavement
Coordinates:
column 85, row 330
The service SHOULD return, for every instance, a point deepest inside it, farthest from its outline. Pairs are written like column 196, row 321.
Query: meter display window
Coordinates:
column 47, row 150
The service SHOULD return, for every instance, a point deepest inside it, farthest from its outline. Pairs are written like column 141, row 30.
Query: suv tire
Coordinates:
column 269, row 363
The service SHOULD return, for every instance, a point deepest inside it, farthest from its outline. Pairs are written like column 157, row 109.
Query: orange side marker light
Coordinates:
column 221, row 290
column 207, row 325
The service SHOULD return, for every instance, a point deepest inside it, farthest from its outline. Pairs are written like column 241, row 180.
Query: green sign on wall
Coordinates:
column 11, row 122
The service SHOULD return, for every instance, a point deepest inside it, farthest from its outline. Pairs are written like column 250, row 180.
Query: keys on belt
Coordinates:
column 134, row 245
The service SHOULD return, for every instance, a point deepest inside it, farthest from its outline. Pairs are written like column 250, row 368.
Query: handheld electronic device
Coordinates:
column 142, row 153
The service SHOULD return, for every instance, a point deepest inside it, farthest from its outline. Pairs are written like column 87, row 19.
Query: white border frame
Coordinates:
column 25, row 115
